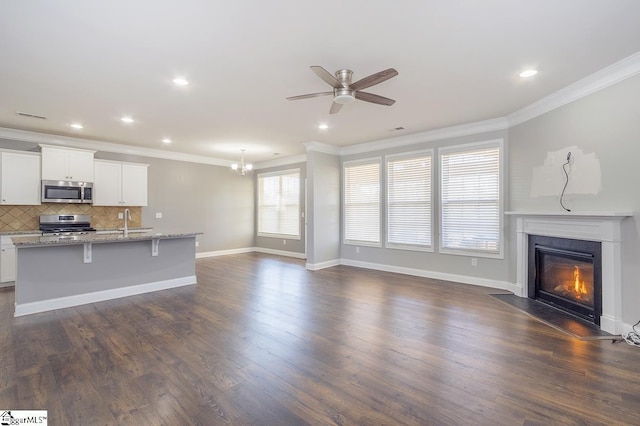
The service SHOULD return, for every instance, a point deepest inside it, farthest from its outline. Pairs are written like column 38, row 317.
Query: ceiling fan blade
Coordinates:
column 326, row 76
column 310, row 95
column 335, row 107
column 374, row 79
column 375, row 99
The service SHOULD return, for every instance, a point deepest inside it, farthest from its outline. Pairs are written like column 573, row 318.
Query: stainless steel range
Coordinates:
column 65, row 224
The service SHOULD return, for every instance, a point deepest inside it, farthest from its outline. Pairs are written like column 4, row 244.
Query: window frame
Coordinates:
column 259, row 206
column 495, row 143
column 408, row 156
column 362, row 162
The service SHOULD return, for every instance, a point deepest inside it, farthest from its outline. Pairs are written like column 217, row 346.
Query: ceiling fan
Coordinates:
column 345, row 92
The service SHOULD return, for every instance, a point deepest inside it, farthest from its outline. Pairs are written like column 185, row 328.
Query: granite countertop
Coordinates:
column 35, row 231
column 131, row 229
column 39, row 241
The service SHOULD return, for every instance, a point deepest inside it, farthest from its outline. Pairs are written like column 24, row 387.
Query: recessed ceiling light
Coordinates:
column 323, row 126
column 126, row 119
column 528, row 73
column 166, row 140
column 76, row 125
column 179, row 81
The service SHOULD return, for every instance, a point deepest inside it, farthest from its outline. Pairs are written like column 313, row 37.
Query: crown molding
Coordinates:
column 322, row 147
column 284, row 161
column 71, row 142
column 615, row 73
column 429, row 136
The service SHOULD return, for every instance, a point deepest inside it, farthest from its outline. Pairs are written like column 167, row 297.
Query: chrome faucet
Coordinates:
column 127, row 218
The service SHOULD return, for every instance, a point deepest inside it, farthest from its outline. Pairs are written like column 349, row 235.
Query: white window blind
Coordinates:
column 470, row 199
column 409, row 201
column 362, row 203
column 279, row 204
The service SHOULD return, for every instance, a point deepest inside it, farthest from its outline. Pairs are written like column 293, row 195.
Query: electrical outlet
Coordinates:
column 158, row 215
column 474, row 262
column 197, row 243
column 357, row 249
column 120, row 215
column 284, row 242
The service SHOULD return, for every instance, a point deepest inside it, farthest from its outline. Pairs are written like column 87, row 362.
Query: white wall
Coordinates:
column 603, row 129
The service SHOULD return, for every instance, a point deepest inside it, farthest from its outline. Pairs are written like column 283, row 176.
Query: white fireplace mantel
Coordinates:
column 604, row 227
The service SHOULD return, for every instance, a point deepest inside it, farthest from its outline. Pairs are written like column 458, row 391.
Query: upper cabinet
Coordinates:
column 119, row 184
column 20, row 178
column 67, row 164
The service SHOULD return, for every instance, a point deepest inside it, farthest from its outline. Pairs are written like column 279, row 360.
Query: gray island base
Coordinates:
column 54, row 273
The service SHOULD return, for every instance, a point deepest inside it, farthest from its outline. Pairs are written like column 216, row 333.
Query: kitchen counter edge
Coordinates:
column 37, row 231
column 40, row 241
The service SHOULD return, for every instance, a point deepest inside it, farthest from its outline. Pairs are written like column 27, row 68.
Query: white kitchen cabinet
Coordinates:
column 120, row 184
column 7, row 262
column 20, row 178
column 67, row 164
column 8, row 258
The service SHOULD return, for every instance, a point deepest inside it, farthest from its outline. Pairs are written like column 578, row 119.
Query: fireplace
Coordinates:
column 602, row 227
column 567, row 274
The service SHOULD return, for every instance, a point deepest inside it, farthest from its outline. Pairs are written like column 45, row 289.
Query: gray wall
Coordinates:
column 295, row 246
column 323, row 208
column 198, row 197
column 488, row 269
column 604, row 126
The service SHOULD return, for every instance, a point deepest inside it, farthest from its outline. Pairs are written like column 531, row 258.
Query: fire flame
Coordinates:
column 578, row 286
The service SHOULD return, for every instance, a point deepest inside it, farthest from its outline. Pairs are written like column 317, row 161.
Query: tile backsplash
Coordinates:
column 27, row 218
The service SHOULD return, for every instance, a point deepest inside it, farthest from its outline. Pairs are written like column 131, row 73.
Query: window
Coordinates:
column 279, row 204
column 409, row 201
column 362, row 202
column 470, row 199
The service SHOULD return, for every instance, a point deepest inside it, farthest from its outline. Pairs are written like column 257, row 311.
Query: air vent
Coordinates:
column 26, row 114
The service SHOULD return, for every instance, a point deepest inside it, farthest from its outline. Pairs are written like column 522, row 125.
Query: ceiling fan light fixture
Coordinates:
column 344, row 96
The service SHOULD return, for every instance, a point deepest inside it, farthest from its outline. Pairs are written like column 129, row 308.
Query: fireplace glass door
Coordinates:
column 567, row 277
column 567, row 274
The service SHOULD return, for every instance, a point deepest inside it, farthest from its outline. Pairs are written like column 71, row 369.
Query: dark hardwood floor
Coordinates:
column 260, row 340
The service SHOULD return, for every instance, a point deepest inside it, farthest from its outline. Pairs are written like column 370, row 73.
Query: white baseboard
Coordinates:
column 280, row 252
column 250, row 250
column 322, row 265
column 224, row 252
column 100, row 296
column 464, row 279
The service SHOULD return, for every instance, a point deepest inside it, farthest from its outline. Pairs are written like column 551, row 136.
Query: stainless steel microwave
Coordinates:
column 59, row 191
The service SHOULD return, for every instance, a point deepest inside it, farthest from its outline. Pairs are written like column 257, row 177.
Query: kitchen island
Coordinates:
column 59, row 272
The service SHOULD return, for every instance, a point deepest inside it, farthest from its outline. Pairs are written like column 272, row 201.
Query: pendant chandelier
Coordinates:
column 242, row 168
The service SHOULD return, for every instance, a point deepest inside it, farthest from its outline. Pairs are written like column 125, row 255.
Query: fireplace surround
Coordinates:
column 603, row 227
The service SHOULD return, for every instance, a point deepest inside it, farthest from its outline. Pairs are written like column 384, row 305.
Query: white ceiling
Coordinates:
column 458, row 61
